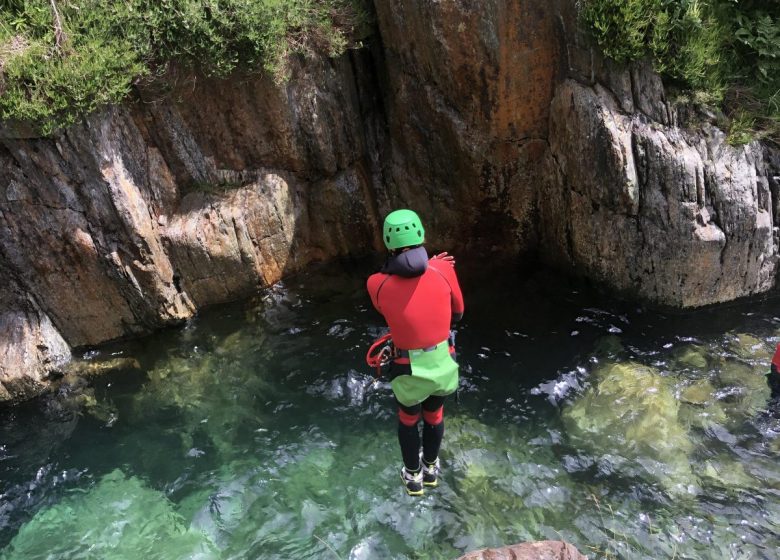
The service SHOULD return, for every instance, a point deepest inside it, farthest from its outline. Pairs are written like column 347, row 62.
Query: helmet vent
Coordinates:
column 419, row 233
column 388, row 238
column 397, row 229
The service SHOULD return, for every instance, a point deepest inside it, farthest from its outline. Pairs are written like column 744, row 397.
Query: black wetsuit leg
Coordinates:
column 432, row 433
column 409, row 438
column 773, row 380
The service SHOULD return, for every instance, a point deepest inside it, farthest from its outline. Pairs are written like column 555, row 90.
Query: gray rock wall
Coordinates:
column 675, row 216
column 28, row 343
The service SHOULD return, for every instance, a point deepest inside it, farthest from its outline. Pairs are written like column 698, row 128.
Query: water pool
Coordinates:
column 257, row 431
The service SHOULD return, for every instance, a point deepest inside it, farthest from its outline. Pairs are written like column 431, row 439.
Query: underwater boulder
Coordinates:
column 93, row 368
column 690, row 356
column 744, row 390
column 630, row 411
column 703, row 417
column 118, row 518
column 726, row 473
column 749, row 347
column 608, row 347
column 699, row 393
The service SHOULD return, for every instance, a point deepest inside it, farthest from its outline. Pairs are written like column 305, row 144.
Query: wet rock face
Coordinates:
column 141, row 215
column 467, row 93
column 543, row 550
column 674, row 216
column 29, row 346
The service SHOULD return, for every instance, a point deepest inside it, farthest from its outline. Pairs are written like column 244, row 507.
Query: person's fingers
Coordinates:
column 445, row 256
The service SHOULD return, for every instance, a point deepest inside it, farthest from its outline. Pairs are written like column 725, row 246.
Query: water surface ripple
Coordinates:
column 256, row 431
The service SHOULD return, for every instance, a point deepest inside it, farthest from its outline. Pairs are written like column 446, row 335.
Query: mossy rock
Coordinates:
column 103, row 411
column 609, row 347
column 727, row 474
column 740, row 374
column 90, row 369
column 749, row 347
column 703, row 417
column 691, row 356
column 631, row 411
column 699, row 393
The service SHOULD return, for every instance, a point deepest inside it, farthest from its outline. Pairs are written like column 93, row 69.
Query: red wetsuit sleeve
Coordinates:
column 458, row 307
column 373, row 284
column 776, row 359
column 447, row 270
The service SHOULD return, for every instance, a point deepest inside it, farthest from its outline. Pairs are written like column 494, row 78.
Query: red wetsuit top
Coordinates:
column 418, row 310
column 776, row 360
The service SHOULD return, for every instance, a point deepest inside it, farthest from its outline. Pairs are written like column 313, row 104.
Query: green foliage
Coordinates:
column 60, row 60
column 621, row 27
column 741, row 129
column 724, row 51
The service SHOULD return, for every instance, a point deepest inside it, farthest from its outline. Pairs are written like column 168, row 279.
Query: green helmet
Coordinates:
column 402, row 228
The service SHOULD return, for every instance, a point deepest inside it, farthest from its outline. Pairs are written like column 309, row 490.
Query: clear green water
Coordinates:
column 256, row 431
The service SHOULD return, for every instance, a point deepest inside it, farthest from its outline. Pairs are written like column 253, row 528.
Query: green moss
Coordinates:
column 61, row 60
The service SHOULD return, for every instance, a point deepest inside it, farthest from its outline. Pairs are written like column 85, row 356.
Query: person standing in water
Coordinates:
column 420, row 299
column 773, row 377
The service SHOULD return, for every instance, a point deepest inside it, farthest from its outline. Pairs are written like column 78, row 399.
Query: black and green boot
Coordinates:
column 430, row 472
column 413, row 482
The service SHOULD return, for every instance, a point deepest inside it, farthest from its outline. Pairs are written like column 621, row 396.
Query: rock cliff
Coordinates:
column 499, row 123
column 143, row 214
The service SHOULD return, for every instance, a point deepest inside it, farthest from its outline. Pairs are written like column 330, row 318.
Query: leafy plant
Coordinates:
column 726, row 51
column 60, row 60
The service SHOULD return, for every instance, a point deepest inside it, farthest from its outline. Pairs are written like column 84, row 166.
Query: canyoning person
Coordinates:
column 773, row 377
column 420, row 299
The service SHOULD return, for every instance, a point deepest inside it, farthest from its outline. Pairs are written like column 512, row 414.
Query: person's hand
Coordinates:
column 445, row 256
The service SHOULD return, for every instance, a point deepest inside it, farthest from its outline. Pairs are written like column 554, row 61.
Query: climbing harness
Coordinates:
column 380, row 354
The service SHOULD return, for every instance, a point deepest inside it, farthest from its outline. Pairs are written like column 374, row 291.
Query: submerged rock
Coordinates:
column 744, row 389
column 96, row 368
column 698, row 393
column 691, row 356
column 631, row 412
column 119, row 517
column 703, row 416
column 609, row 347
column 749, row 347
column 726, row 473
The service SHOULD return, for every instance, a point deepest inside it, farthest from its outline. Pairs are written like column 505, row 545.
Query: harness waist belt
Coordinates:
column 405, row 353
column 401, row 357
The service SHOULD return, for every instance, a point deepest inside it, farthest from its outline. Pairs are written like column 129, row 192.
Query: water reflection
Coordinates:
column 256, row 431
